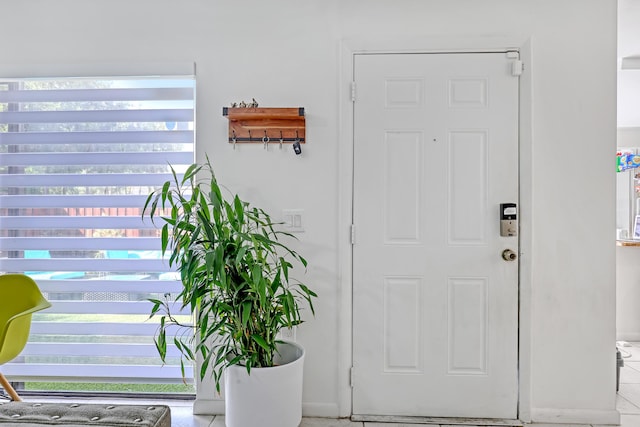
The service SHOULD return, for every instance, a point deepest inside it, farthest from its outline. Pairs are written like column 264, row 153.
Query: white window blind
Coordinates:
column 78, row 158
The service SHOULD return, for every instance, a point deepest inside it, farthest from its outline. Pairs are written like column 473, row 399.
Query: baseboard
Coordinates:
column 208, row 407
column 320, row 410
column 309, row 409
column 406, row 420
column 574, row 416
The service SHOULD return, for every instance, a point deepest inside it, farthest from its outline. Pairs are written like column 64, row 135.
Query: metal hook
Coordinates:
column 249, row 135
column 281, row 140
column 234, row 139
column 265, row 139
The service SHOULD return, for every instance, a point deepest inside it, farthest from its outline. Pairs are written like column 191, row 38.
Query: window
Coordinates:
column 78, row 157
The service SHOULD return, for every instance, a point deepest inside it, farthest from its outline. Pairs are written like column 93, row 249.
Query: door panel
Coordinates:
column 435, row 305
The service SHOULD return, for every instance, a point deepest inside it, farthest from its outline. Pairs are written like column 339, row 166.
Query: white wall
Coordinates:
column 628, row 292
column 286, row 53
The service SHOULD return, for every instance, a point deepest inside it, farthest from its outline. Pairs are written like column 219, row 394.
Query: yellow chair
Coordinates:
column 19, row 299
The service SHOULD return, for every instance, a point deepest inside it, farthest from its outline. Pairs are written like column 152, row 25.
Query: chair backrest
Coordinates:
column 19, row 299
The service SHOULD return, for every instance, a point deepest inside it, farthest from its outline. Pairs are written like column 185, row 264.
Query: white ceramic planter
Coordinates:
column 268, row 397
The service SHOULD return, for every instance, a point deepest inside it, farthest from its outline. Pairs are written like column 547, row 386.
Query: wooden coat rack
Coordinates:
column 265, row 125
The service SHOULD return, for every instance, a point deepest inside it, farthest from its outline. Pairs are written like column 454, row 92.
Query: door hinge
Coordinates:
column 352, row 375
column 517, row 67
column 353, row 91
column 353, row 234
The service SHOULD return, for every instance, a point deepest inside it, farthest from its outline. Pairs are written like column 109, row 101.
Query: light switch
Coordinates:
column 293, row 221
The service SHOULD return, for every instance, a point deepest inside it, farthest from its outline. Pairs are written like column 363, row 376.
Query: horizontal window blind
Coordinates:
column 78, row 158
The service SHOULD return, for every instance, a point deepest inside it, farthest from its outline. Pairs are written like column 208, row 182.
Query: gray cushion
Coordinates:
column 30, row 414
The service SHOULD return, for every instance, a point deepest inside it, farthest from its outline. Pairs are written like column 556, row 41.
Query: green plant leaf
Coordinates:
column 261, row 342
column 164, row 237
column 189, row 174
column 246, row 313
column 155, row 308
column 239, row 209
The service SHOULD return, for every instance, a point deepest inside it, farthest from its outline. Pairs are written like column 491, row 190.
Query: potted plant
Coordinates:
column 235, row 272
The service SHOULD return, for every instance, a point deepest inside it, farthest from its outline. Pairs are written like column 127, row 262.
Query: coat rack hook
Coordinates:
column 265, row 139
column 234, row 139
column 296, row 145
column 281, row 140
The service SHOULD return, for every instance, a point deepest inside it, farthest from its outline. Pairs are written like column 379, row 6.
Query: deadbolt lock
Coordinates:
column 508, row 219
column 509, row 255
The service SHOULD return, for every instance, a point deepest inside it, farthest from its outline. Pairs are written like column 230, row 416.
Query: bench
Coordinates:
column 31, row 414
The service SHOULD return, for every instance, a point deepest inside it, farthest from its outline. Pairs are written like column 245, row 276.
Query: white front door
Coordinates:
column 435, row 306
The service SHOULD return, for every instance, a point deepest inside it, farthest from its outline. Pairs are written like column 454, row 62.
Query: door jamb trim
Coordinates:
column 348, row 50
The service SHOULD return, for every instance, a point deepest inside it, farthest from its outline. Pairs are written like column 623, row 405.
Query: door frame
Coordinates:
column 347, row 50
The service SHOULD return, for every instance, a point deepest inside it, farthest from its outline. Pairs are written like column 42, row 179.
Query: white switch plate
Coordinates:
column 288, row 334
column 293, row 220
